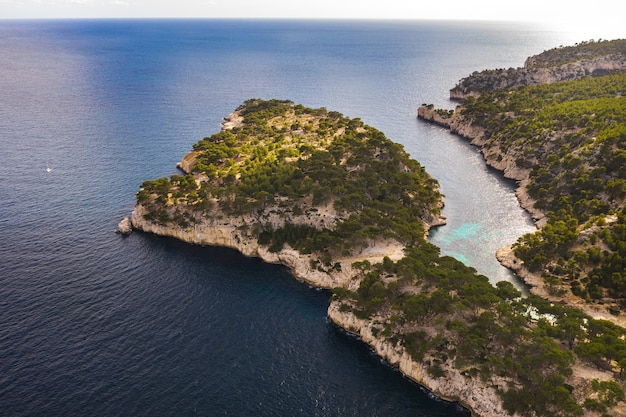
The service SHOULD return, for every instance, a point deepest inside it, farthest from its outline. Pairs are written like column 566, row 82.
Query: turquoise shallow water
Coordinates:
column 463, row 235
column 95, row 324
column 464, row 231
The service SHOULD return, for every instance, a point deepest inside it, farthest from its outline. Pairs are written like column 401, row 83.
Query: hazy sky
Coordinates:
column 604, row 15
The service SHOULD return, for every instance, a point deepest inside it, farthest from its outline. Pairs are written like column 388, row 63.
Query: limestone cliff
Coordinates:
column 480, row 397
column 549, row 67
column 187, row 163
column 234, row 233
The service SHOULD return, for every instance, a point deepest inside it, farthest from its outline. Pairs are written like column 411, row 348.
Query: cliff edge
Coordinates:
column 346, row 208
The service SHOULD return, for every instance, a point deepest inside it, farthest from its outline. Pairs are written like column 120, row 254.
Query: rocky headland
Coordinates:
column 587, row 59
column 345, row 208
column 214, row 219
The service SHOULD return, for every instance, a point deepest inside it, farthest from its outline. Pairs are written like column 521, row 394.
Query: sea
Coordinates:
column 96, row 324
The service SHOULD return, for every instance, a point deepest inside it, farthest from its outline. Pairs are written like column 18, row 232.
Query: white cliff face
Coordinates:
column 232, row 233
column 188, row 161
column 454, row 122
column 530, row 75
column 235, row 119
column 480, row 397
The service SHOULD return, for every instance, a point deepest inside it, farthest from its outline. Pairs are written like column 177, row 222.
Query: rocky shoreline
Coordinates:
column 230, row 233
column 476, row 135
column 506, row 257
column 534, row 74
column 472, row 394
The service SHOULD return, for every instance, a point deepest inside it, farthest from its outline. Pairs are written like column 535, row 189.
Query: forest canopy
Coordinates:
column 291, row 159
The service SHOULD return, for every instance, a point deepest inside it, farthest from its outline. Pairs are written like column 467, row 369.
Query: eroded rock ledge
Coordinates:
column 232, row 233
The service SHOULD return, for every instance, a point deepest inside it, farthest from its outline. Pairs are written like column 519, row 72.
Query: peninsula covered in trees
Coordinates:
column 558, row 126
column 284, row 165
column 566, row 144
column 346, row 208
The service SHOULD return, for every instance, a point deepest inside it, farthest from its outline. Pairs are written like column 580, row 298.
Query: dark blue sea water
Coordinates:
column 93, row 324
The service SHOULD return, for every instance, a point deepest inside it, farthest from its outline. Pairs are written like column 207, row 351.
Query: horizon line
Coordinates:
column 375, row 19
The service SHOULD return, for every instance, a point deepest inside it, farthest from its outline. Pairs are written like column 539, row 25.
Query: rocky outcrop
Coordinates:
column 452, row 120
column 528, row 203
column 235, row 119
column 124, row 227
column 480, row 397
column 529, row 75
column 188, row 161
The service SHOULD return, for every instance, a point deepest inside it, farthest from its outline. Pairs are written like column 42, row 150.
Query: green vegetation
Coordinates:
column 571, row 137
column 581, row 51
column 285, row 163
column 448, row 316
column 289, row 159
column 569, row 140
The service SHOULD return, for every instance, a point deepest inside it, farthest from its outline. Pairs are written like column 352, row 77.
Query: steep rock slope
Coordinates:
column 587, row 59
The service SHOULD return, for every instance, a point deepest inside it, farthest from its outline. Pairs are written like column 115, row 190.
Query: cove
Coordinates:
column 482, row 212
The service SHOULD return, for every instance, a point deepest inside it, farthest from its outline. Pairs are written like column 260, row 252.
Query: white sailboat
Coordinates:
column 48, row 169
